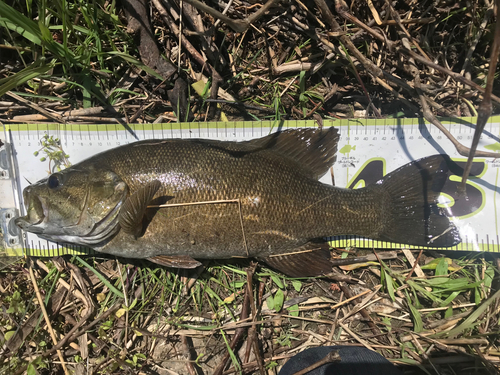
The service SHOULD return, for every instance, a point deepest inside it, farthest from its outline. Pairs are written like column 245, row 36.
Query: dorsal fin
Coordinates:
column 312, row 149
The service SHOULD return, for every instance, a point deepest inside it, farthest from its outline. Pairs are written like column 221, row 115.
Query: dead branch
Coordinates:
column 429, row 116
column 237, row 25
column 139, row 25
column 347, row 291
column 333, row 356
column 237, row 335
column 485, row 107
column 346, row 41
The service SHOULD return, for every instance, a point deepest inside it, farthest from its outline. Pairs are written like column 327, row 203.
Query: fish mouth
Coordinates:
column 35, row 216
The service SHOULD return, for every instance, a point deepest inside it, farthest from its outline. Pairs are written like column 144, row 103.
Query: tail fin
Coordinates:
column 414, row 217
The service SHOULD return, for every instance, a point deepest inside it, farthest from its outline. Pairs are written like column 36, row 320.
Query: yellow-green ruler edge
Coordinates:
column 340, row 242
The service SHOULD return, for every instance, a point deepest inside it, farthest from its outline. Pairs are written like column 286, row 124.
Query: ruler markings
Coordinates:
column 86, row 143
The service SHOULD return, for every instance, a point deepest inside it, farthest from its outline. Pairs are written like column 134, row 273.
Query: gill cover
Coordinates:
column 79, row 206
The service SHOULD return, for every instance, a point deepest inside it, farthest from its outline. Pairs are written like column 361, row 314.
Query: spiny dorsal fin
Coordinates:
column 308, row 260
column 313, row 149
column 177, row 261
column 134, row 208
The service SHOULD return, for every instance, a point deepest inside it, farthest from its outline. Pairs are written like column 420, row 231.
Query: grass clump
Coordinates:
column 76, row 50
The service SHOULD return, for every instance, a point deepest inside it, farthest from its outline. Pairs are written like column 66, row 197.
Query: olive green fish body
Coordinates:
column 207, row 199
column 268, row 205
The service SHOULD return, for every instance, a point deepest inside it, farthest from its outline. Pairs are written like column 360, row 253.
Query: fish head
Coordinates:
column 76, row 205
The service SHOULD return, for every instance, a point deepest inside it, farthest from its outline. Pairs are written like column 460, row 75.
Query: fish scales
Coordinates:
column 260, row 198
column 280, row 207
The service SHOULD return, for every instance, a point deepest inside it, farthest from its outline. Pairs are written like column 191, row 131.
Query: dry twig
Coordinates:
column 333, row 356
column 47, row 319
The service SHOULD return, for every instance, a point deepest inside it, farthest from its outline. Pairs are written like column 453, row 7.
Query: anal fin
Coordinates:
column 309, row 260
column 176, row 261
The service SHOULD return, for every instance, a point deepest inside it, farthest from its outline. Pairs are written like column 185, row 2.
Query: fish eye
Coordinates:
column 54, row 181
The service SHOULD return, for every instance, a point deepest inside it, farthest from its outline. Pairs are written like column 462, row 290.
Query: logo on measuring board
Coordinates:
column 462, row 207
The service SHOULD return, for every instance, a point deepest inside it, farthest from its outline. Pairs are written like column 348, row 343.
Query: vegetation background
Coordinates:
column 135, row 61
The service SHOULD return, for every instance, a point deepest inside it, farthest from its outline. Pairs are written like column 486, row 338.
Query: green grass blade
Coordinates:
column 442, row 267
column 135, row 62
column 450, row 298
column 417, row 319
column 472, row 319
column 234, row 360
column 390, row 287
column 110, row 286
column 30, row 30
column 411, row 362
column 17, row 79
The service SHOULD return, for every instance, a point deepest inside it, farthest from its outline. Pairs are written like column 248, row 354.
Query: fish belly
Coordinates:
column 255, row 225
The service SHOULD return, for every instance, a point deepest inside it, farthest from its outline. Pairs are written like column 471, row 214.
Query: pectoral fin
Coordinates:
column 177, row 261
column 309, row 260
column 134, row 208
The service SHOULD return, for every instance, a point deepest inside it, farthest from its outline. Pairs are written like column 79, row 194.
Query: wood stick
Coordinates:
column 47, row 319
column 333, row 356
column 237, row 335
column 54, row 116
column 485, row 107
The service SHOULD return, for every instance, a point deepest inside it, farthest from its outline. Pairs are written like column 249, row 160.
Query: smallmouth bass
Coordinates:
column 174, row 201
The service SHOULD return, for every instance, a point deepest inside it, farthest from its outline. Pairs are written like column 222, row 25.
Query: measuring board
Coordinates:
column 367, row 150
